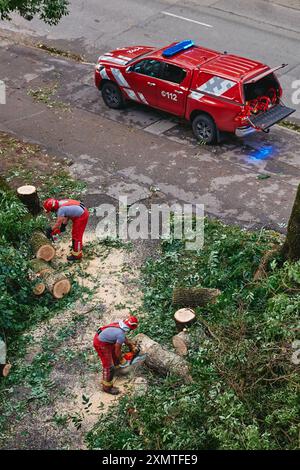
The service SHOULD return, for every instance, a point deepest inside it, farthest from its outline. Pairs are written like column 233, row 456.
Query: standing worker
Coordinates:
column 108, row 343
column 68, row 209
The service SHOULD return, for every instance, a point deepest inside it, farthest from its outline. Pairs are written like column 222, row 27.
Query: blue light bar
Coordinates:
column 179, row 47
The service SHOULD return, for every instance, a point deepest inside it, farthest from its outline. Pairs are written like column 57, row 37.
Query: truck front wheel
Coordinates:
column 204, row 129
column 112, row 95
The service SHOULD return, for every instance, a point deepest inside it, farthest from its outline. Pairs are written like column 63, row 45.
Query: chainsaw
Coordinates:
column 131, row 358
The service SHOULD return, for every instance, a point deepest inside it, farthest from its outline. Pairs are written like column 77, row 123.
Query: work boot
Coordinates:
column 73, row 258
column 111, row 390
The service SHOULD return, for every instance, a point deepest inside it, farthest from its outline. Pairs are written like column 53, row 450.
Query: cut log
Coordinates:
column 40, row 267
column 181, row 343
column 39, row 289
column 42, row 247
column 57, row 284
column 29, row 196
column 194, row 296
column 4, row 370
column 161, row 360
column 184, row 317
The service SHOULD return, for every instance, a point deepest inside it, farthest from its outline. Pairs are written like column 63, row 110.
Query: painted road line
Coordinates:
column 187, row 19
column 159, row 127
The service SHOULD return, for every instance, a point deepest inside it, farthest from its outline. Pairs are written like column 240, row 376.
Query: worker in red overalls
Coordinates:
column 68, row 209
column 108, row 343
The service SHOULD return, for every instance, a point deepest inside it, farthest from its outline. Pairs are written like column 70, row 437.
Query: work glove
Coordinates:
column 52, row 236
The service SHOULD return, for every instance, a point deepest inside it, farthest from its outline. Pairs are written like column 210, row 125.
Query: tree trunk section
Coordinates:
column 194, row 296
column 39, row 289
column 29, row 196
column 57, row 284
column 184, row 317
column 161, row 360
column 42, row 247
column 291, row 247
column 38, row 268
column 181, row 343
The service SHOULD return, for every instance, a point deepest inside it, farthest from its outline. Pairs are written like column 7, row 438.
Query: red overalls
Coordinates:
column 78, row 226
column 106, row 352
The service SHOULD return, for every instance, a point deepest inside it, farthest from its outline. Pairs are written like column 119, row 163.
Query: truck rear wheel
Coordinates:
column 112, row 95
column 204, row 129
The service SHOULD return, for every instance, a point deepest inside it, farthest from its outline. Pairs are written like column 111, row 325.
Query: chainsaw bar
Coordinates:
column 135, row 360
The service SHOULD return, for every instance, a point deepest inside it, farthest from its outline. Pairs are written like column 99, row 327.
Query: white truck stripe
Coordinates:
column 103, row 74
column 119, row 77
column 142, row 98
column 131, row 94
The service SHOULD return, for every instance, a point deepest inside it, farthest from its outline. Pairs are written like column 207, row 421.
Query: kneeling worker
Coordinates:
column 108, row 343
column 68, row 209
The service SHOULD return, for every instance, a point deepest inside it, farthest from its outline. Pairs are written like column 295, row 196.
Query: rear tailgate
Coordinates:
column 270, row 117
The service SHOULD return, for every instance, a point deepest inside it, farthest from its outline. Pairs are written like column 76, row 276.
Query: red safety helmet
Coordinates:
column 51, row 204
column 131, row 322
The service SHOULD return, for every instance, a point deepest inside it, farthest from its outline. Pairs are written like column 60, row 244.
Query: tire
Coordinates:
column 205, row 129
column 112, row 95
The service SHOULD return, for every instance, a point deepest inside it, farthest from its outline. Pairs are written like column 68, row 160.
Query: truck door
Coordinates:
column 173, row 89
column 143, row 78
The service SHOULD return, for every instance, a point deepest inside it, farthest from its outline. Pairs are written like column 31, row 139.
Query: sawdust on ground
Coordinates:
column 77, row 390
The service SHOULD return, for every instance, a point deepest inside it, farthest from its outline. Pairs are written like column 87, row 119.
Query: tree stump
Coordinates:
column 161, row 360
column 184, row 317
column 29, row 196
column 41, row 246
column 181, row 343
column 194, row 296
column 291, row 247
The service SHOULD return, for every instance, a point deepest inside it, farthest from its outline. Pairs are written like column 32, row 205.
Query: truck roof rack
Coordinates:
column 179, row 47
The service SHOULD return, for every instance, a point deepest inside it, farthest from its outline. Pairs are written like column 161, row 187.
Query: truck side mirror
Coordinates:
column 129, row 69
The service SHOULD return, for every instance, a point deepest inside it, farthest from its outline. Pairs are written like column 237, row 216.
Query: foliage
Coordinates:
column 50, row 11
column 45, row 95
column 245, row 389
column 19, row 308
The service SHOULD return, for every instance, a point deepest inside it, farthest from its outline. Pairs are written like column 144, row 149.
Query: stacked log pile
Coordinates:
column 55, row 283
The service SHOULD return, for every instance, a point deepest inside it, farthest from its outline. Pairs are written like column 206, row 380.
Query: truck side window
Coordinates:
column 174, row 74
column 148, row 67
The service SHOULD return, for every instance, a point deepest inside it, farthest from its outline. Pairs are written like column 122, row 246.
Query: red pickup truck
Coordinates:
column 214, row 91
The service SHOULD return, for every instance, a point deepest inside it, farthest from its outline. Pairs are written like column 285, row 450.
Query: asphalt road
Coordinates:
column 264, row 30
column 251, row 182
